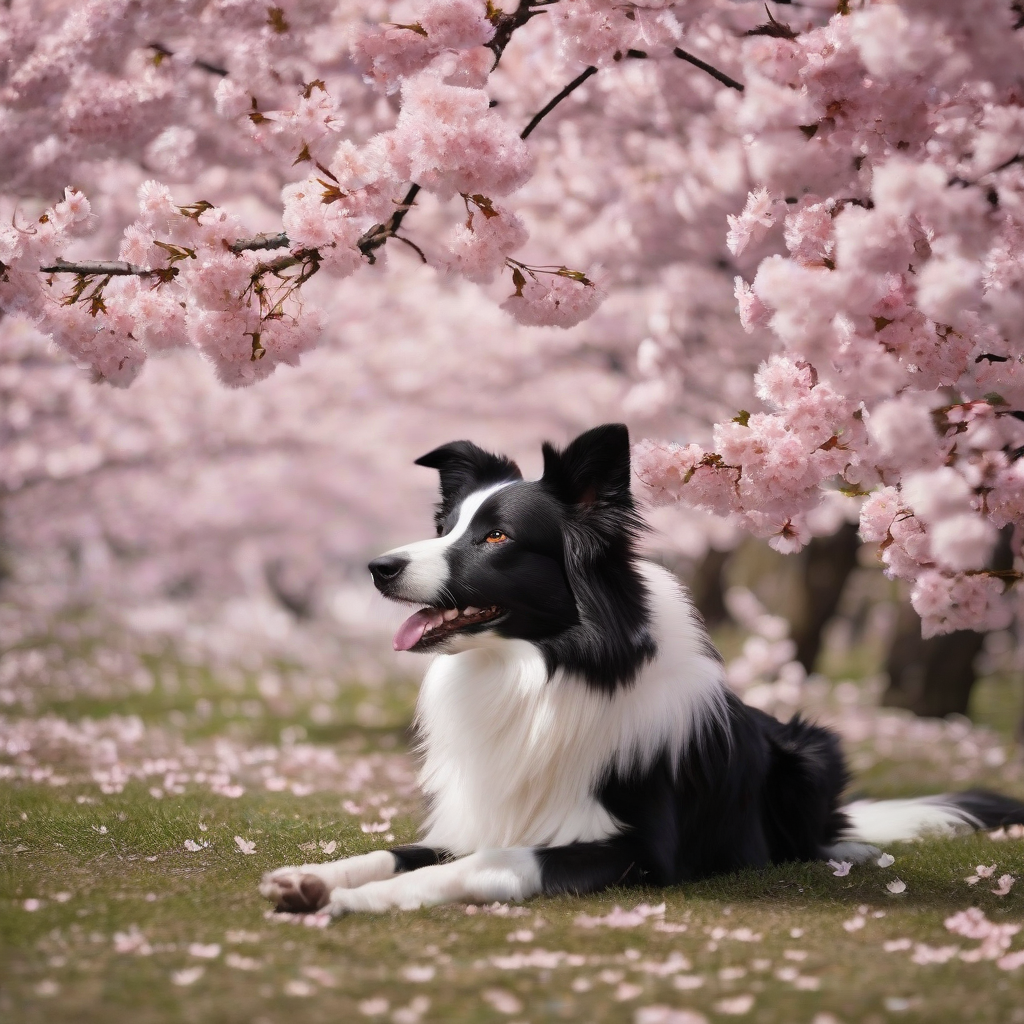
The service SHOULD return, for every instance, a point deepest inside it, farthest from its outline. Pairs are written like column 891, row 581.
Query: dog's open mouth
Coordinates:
column 430, row 626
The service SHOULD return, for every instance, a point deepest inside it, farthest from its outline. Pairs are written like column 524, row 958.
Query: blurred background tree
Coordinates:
column 788, row 243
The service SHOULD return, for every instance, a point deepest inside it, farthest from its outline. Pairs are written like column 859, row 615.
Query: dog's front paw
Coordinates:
column 295, row 891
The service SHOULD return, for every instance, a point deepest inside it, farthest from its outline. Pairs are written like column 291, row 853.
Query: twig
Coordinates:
column 412, row 245
column 376, row 236
column 268, row 241
column 548, row 107
column 720, row 76
column 105, row 268
column 201, row 64
column 506, row 24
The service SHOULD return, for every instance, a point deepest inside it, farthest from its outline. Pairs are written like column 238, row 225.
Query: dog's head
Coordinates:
column 549, row 561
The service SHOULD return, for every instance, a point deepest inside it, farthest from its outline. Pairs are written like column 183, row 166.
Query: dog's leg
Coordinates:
column 856, row 853
column 483, row 877
column 306, row 888
column 582, row 868
column 511, row 874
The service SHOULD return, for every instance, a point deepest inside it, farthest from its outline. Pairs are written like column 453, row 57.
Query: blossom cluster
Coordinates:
column 768, row 467
column 196, row 274
column 885, row 145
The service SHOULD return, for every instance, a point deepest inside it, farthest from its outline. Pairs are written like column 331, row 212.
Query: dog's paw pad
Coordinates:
column 295, row 892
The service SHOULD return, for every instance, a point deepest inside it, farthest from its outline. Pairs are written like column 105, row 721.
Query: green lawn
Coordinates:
column 106, row 916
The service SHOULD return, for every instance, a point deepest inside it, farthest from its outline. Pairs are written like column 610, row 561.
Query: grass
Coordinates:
column 59, row 961
column 103, row 864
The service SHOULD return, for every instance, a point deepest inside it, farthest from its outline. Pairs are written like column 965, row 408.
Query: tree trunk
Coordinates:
column 934, row 676
column 827, row 564
column 707, row 587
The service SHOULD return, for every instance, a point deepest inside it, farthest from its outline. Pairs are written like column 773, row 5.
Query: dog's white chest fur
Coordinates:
column 513, row 758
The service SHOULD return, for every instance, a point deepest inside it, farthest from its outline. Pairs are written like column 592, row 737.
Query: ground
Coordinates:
column 143, row 797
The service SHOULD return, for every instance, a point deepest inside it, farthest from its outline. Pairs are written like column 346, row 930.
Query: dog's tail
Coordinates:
column 879, row 822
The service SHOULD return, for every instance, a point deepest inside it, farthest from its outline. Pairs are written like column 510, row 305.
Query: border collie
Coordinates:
column 576, row 730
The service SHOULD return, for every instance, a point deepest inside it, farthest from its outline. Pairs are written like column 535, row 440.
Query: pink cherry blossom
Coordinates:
column 1005, row 884
column 554, row 299
column 830, row 254
column 753, row 223
column 619, row 918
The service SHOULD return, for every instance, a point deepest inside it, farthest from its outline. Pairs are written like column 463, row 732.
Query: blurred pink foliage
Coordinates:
column 853, row 182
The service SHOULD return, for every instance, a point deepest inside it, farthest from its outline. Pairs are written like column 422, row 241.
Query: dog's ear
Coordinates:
column 593, row 468
column 464, row 468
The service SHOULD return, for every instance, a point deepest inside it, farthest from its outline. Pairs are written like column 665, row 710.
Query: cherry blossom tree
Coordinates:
column 798, row 232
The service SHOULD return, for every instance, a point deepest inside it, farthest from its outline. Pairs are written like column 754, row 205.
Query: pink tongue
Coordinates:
column 410, row 631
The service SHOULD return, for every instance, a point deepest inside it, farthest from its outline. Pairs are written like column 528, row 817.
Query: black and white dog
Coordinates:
column 576, row 729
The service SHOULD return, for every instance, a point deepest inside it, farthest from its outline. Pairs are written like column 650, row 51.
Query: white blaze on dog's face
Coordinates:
column 428, row 570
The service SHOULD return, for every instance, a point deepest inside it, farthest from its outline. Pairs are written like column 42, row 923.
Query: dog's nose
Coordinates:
column 387, row 568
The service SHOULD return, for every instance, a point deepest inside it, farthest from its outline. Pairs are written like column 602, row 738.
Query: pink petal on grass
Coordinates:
column 735, row 1005
column 841, row 868
column 896, row 887
column 320, row 975
column 1011, row 961
column 619, row 918
column 244, row 845
column 241, row 963
column 1005, row 884
column 687, row 982
column 896, row 945
column 502, row 1001
column 419, row 972
column 667, row 1015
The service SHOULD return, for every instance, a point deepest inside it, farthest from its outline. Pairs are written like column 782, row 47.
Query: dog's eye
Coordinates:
column 495, row 537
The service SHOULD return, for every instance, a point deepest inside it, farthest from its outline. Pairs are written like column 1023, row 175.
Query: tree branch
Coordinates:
column 720, row 76
column 547, row 108
column 120, row 268
column 106, row 268
column 275, row 241
column 376, row 236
